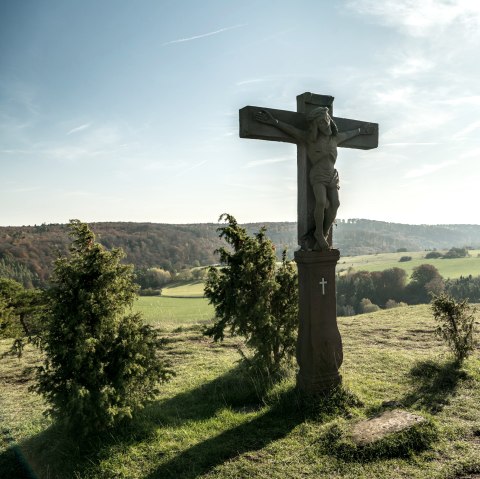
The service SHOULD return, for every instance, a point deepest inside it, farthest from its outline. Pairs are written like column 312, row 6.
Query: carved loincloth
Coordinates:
column 329, row 179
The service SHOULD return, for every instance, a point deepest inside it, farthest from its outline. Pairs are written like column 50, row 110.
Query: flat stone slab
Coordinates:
column 389, row 422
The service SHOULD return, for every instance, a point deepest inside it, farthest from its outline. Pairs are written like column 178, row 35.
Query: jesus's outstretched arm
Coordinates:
column 264, row 116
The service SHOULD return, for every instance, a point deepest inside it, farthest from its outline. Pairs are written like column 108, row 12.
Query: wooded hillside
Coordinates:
column 27, row 252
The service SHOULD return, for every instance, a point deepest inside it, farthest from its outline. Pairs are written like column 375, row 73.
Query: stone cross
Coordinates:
column 319, row 345
column 306, row 102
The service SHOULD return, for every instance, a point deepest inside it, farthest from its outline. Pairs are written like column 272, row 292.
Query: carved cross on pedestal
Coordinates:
column 323, row 284
column 250, row 128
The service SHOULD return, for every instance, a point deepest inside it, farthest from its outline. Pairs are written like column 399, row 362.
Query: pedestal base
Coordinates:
column 319, row 345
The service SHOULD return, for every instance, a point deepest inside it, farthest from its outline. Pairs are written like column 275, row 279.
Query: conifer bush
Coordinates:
column 456, row 324
column 252, row 297
column 101, row 362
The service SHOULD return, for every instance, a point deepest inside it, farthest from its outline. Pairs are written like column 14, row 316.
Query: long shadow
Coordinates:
column 64, row 456
column 289, row 410
column 236, row 389
column 434, row 384
column 251, row 436
column 12, row 463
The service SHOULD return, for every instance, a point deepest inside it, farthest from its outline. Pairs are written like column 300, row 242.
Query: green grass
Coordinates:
column 214, row 421
column 448, row 268
column 174, row 312
column 192, row 289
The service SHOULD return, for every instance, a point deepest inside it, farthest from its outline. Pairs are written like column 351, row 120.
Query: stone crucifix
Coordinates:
column 317, row 134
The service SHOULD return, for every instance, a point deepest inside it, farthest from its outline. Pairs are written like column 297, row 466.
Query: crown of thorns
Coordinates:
column 316, row 112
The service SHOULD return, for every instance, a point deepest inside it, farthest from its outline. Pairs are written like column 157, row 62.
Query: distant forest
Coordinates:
column 27, row 252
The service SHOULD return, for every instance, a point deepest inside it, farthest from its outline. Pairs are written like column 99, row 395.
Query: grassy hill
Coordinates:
column 212, row 421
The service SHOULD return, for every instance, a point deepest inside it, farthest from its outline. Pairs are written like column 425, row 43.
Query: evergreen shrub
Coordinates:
column 253, row 297
column 101, row 362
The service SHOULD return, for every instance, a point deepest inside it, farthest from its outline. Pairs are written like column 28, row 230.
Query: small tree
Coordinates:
column 21, row 313
column 153, row 278
column 456, row 253
column 425, row 281
column 456, row 325
column 366, row 306
column 5, row 316
column 101, row 361
column 252, row 297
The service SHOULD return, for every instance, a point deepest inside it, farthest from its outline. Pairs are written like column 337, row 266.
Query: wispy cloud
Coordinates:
column 16, row 152
column 25, row 189
column 255, row 163
column 465, row 131
column 427, row 169
column 411, row 143
column 203, row 35
column 471, row 154
column 396, row 95
column 104, row 142
column 411, row 65
column 422, row 18
column 467, row 100
column 250, row 81
column 415, row 122
column 79, row 128
column 192, row 167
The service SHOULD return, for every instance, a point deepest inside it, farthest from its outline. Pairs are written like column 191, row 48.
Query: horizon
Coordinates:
column 241, row 223
column 114, row 111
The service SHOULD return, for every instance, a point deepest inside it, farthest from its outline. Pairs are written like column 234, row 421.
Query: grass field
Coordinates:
column 448, row 268
column 212, row 421
column 173, row 312
column 192, row 289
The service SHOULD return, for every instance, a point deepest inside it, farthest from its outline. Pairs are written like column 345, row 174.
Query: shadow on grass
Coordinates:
column 13, row 465
column 54, row 455
column 62, row 455
column 434, row 384
column 287, row 411
column 247, row 437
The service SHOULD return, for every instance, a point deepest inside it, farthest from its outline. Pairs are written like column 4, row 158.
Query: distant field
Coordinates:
column 192, row 289
column 180, row 304
column 448, row 268
column 174, row 312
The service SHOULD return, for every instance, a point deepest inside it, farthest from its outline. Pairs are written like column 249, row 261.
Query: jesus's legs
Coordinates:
column 320, row 192
column 331, row 210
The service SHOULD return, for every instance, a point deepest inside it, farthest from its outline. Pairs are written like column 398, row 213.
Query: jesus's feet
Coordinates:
column 321, row 245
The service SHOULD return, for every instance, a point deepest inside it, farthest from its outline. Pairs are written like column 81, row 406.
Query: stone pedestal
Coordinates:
column 319, row 346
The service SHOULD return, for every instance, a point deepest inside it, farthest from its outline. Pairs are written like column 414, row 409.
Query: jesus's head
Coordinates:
column 320, row 121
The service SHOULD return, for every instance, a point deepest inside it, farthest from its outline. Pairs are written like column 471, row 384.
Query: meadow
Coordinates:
column 171, row 312
column 448, row 268
column 214, row 420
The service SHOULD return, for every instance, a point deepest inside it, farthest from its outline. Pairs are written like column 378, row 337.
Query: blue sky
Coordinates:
column 128, row 111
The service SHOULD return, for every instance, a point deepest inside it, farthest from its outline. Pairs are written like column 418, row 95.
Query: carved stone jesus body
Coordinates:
column 321, row 140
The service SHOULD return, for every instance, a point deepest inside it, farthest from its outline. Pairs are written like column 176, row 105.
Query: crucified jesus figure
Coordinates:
column 321, row 139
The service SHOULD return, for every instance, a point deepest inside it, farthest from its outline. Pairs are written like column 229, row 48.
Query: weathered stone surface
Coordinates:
column 319, row 345
column 389, row 422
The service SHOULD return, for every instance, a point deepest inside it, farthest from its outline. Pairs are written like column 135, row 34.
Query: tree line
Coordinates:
column 364, row 292
column 27, row 253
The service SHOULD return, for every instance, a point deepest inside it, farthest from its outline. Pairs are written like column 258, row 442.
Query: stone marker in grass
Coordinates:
column 389, row 422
